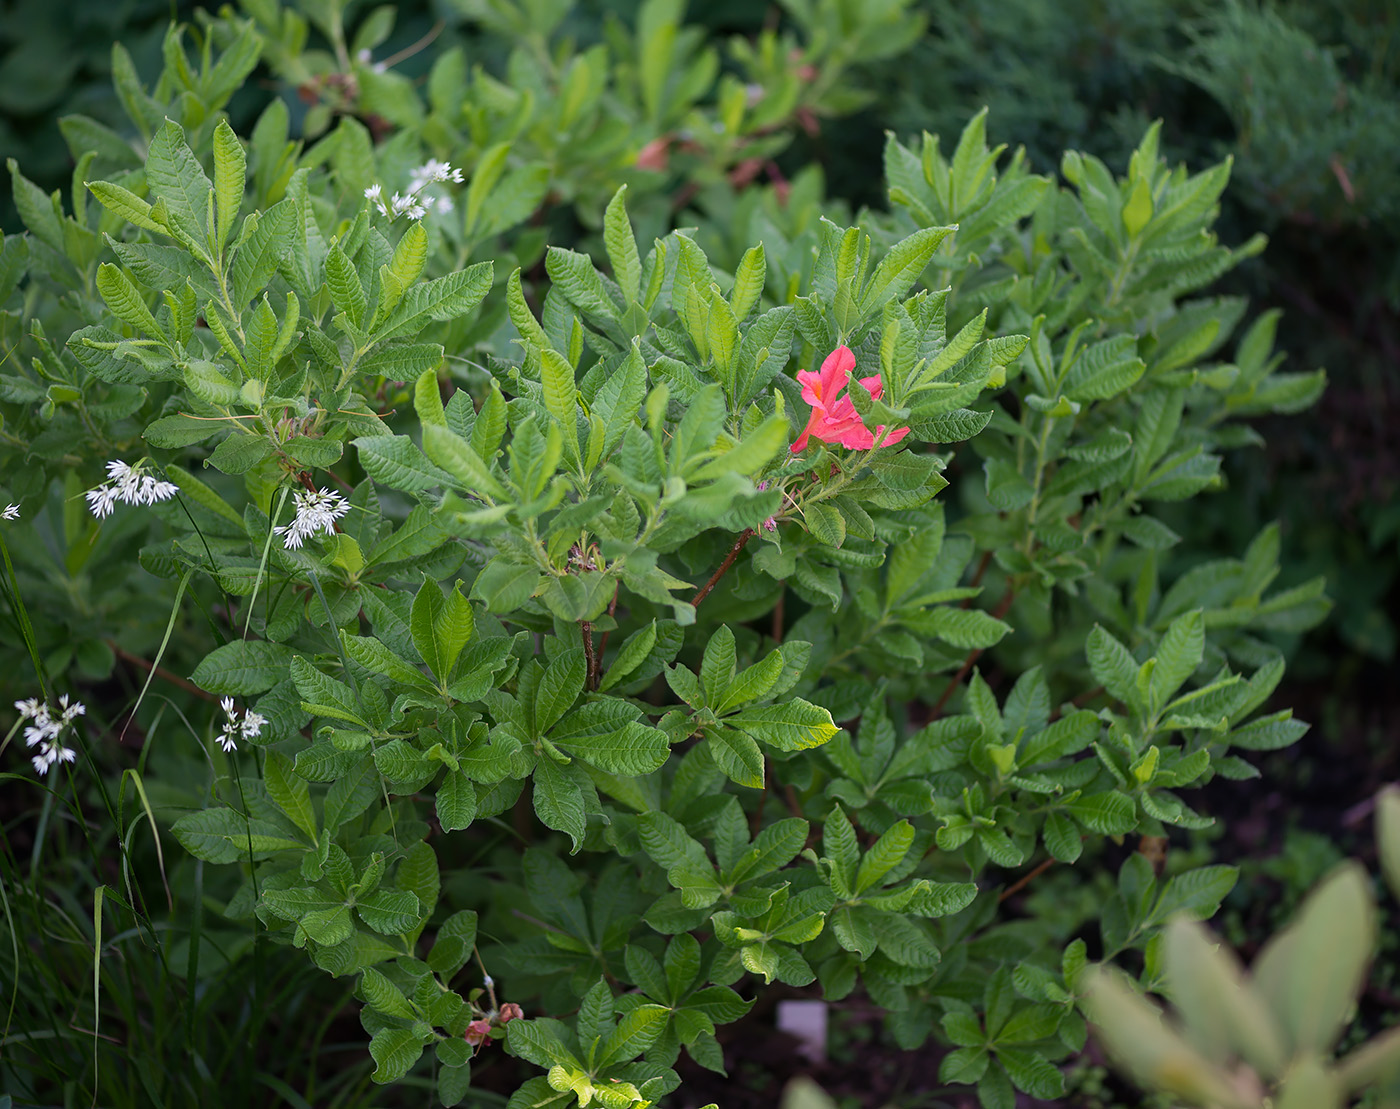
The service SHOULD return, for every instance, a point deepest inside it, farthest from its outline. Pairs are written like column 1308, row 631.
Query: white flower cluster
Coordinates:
column 316, row 512
column 415, row 203
column 432, row 172
column 11, row 512
column 130, row 486
column 46, row 728
column 249, row 727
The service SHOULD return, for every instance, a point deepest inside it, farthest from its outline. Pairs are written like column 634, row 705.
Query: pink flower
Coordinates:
column 834, row 417
column 478, row 1032
column 510, row 1011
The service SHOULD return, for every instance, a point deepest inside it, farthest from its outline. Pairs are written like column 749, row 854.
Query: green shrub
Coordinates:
column 506, row 683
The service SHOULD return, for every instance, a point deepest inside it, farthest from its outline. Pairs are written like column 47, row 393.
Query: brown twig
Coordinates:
column 1018, row 886
column 778, row 613
column 982, row 564
column 1003, row 606
column 161, row 672
column 739, row 545
column 589, row 654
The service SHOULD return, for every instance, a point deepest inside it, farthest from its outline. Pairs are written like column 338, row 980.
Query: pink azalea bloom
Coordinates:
column 834, row 417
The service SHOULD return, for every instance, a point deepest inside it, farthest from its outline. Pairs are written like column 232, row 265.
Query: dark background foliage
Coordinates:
column 1304, row 95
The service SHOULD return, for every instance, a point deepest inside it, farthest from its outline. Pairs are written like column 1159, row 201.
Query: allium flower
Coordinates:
column 46, row 729
column 249, row 727
column 834, row 417
column 432, row 172
column 11, row 512
column 129, row 485
column 414, row 203
column 316, row 512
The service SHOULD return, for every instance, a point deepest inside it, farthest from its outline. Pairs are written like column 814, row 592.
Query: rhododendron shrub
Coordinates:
column 599, row 646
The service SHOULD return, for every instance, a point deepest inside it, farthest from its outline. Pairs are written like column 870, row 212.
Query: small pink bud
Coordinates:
column 510, row 1011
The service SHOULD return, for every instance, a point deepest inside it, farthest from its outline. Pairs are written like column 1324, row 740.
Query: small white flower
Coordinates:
column 102, row 499
column 316, row 512
column 130, row 486
column 364, row 56
column 444, row 205
column 11, row 512
column 250, row 727
column 45, row 731
column 401, row 204
column 252, row 724
column 373, row 192
column 434, row 171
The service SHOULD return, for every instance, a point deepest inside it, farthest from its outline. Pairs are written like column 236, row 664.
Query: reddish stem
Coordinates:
column 723, row 566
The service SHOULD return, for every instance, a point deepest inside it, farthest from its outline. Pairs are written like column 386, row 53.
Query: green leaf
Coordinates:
column 126, row 303
column 394, row 461
column 347, row 293
column 440, row 627
column 632, row 654
column 230, row 172
column 632, row 750
column 382, row 995
column 395, row 1050
column 180, row 430
column 717, row 665
column 445, row 298
column 176, row 176
column 559, row 688
column 622, row 246
column 1033, row 1073
column 966, row 628
column 559, row 801
column 825, row 523
column 736, row 754
column 390, row 912
column 374, row 656
column 220, row 835
column 239, row 453
column 753, row 683
column 748, row 281
column 1062, row 838
column 456, row 801
column 901, row 267
column 1108, row 813
column 576, row 279
column 457, row 458
column 794, row 726
column 842, row 848
column 243, row 667
column 887, row 853
column 1178, row 655
column 635, row 1032
column 561, row 397
column 289, row 792
column 1113, row 667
